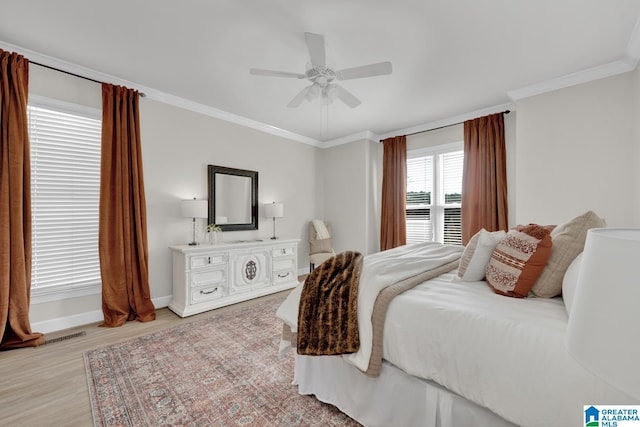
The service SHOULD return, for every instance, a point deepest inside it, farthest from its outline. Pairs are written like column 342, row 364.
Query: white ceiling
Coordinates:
column 449, row 58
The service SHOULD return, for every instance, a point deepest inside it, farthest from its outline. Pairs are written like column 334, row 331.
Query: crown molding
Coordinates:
column 632, row 52
column 228, row 117
column 450, row 121
column 350, row 138
column 573, row 79
column 157, row 95
column 629, row 62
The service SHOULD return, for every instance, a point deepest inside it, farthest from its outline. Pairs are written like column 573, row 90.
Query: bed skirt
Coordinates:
column 392, row 399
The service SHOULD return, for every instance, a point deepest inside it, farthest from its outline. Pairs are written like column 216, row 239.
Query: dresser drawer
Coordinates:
column 206, row 293
column 207, row 260
column 284, row 264
column 208, row 277
column 283, row 251
column 283, row 276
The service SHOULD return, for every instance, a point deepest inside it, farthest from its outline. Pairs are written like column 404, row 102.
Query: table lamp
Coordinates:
column 274, row 210
column 194, row 209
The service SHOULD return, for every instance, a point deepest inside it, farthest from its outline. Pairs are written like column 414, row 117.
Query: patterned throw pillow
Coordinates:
column 518, row 260
column 477, row 254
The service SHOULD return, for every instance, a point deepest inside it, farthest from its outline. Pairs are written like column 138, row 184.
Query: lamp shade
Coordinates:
column 273, row 210
column 194, row 208
column 602, row 334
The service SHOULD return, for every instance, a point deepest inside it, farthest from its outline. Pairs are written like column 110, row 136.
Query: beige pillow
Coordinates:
column 317, row 246
column 477, row 254
column 568, row 241
column 518, row 260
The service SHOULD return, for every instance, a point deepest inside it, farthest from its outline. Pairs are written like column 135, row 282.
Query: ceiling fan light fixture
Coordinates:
column 322, row 77
column 330, row 93
column 313, row 92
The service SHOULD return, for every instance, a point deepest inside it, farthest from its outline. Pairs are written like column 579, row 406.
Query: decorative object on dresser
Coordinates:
column 233, row 198
column 213, row 234
column 274, row 210
column 194, row 209
column 604, row 317
column 212, row 276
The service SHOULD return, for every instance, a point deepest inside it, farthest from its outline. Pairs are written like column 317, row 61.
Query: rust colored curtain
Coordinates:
column 15, row 205
column 484, row 179
column 393, row 218
column 123, row 219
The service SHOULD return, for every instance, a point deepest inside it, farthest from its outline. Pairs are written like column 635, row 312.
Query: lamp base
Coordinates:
column 274, row 238
column 193, row 243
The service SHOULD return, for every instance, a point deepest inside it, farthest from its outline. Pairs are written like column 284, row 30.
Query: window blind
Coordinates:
column 419, row 194
column 452, row 164
column 65, row 191
column 434, row 196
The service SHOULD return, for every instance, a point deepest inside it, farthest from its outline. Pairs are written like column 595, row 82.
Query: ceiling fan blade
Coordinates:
column 315, row 43
column 345, row 96
column 271, row 73
column 370, row 70
column 297, row 100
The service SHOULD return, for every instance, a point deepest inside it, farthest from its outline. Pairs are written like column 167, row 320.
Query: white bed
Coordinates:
column 456, row 354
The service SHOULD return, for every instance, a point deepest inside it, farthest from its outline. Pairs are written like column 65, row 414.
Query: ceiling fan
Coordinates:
column 323, row 78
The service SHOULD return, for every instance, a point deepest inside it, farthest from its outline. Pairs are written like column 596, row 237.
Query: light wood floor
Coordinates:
column 47, row 386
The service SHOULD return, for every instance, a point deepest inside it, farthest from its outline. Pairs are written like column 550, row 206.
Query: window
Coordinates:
column 65, row 190
column 434, row 187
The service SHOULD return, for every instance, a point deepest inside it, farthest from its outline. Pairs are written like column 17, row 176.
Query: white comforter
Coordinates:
column 505, row 354
column 379, row 271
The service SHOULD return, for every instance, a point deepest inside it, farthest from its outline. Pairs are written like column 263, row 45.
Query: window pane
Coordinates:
column 65, row 188
column 419, row 226
column 452, row 176
column 419, row 180
column 452, row 226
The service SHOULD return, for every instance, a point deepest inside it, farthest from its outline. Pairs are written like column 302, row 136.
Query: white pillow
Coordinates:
column 570, row 282
column 477, row 254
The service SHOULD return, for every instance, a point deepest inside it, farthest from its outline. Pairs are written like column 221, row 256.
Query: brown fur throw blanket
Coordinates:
column 328, row 310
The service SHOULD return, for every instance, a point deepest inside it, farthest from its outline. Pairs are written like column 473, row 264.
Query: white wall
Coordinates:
column 177, row 146
column 432, row 138
column 351, row 204
column 575, row 152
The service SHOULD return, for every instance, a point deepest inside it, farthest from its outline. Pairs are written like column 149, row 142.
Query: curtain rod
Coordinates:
column 446, row 126
column 142, row 94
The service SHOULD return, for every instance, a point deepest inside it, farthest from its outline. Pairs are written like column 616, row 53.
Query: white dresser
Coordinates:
column 211, row 276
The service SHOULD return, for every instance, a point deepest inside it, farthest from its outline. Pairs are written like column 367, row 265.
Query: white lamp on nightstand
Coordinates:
column 274, row 210
column 603, row 334
column 194, row 209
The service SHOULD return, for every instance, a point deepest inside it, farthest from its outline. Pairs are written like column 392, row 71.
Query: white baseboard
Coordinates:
column 61, row 323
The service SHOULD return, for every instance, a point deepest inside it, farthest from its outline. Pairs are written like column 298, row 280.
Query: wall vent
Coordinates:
column 65, row 337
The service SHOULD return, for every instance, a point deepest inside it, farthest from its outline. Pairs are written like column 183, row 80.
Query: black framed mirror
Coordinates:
column 233, row 198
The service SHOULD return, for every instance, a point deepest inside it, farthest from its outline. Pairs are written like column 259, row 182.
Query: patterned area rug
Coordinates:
column 220, row 371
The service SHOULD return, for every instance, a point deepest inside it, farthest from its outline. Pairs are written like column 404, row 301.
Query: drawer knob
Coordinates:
column 209, row 292
column 282, row 276
column 209, row 260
